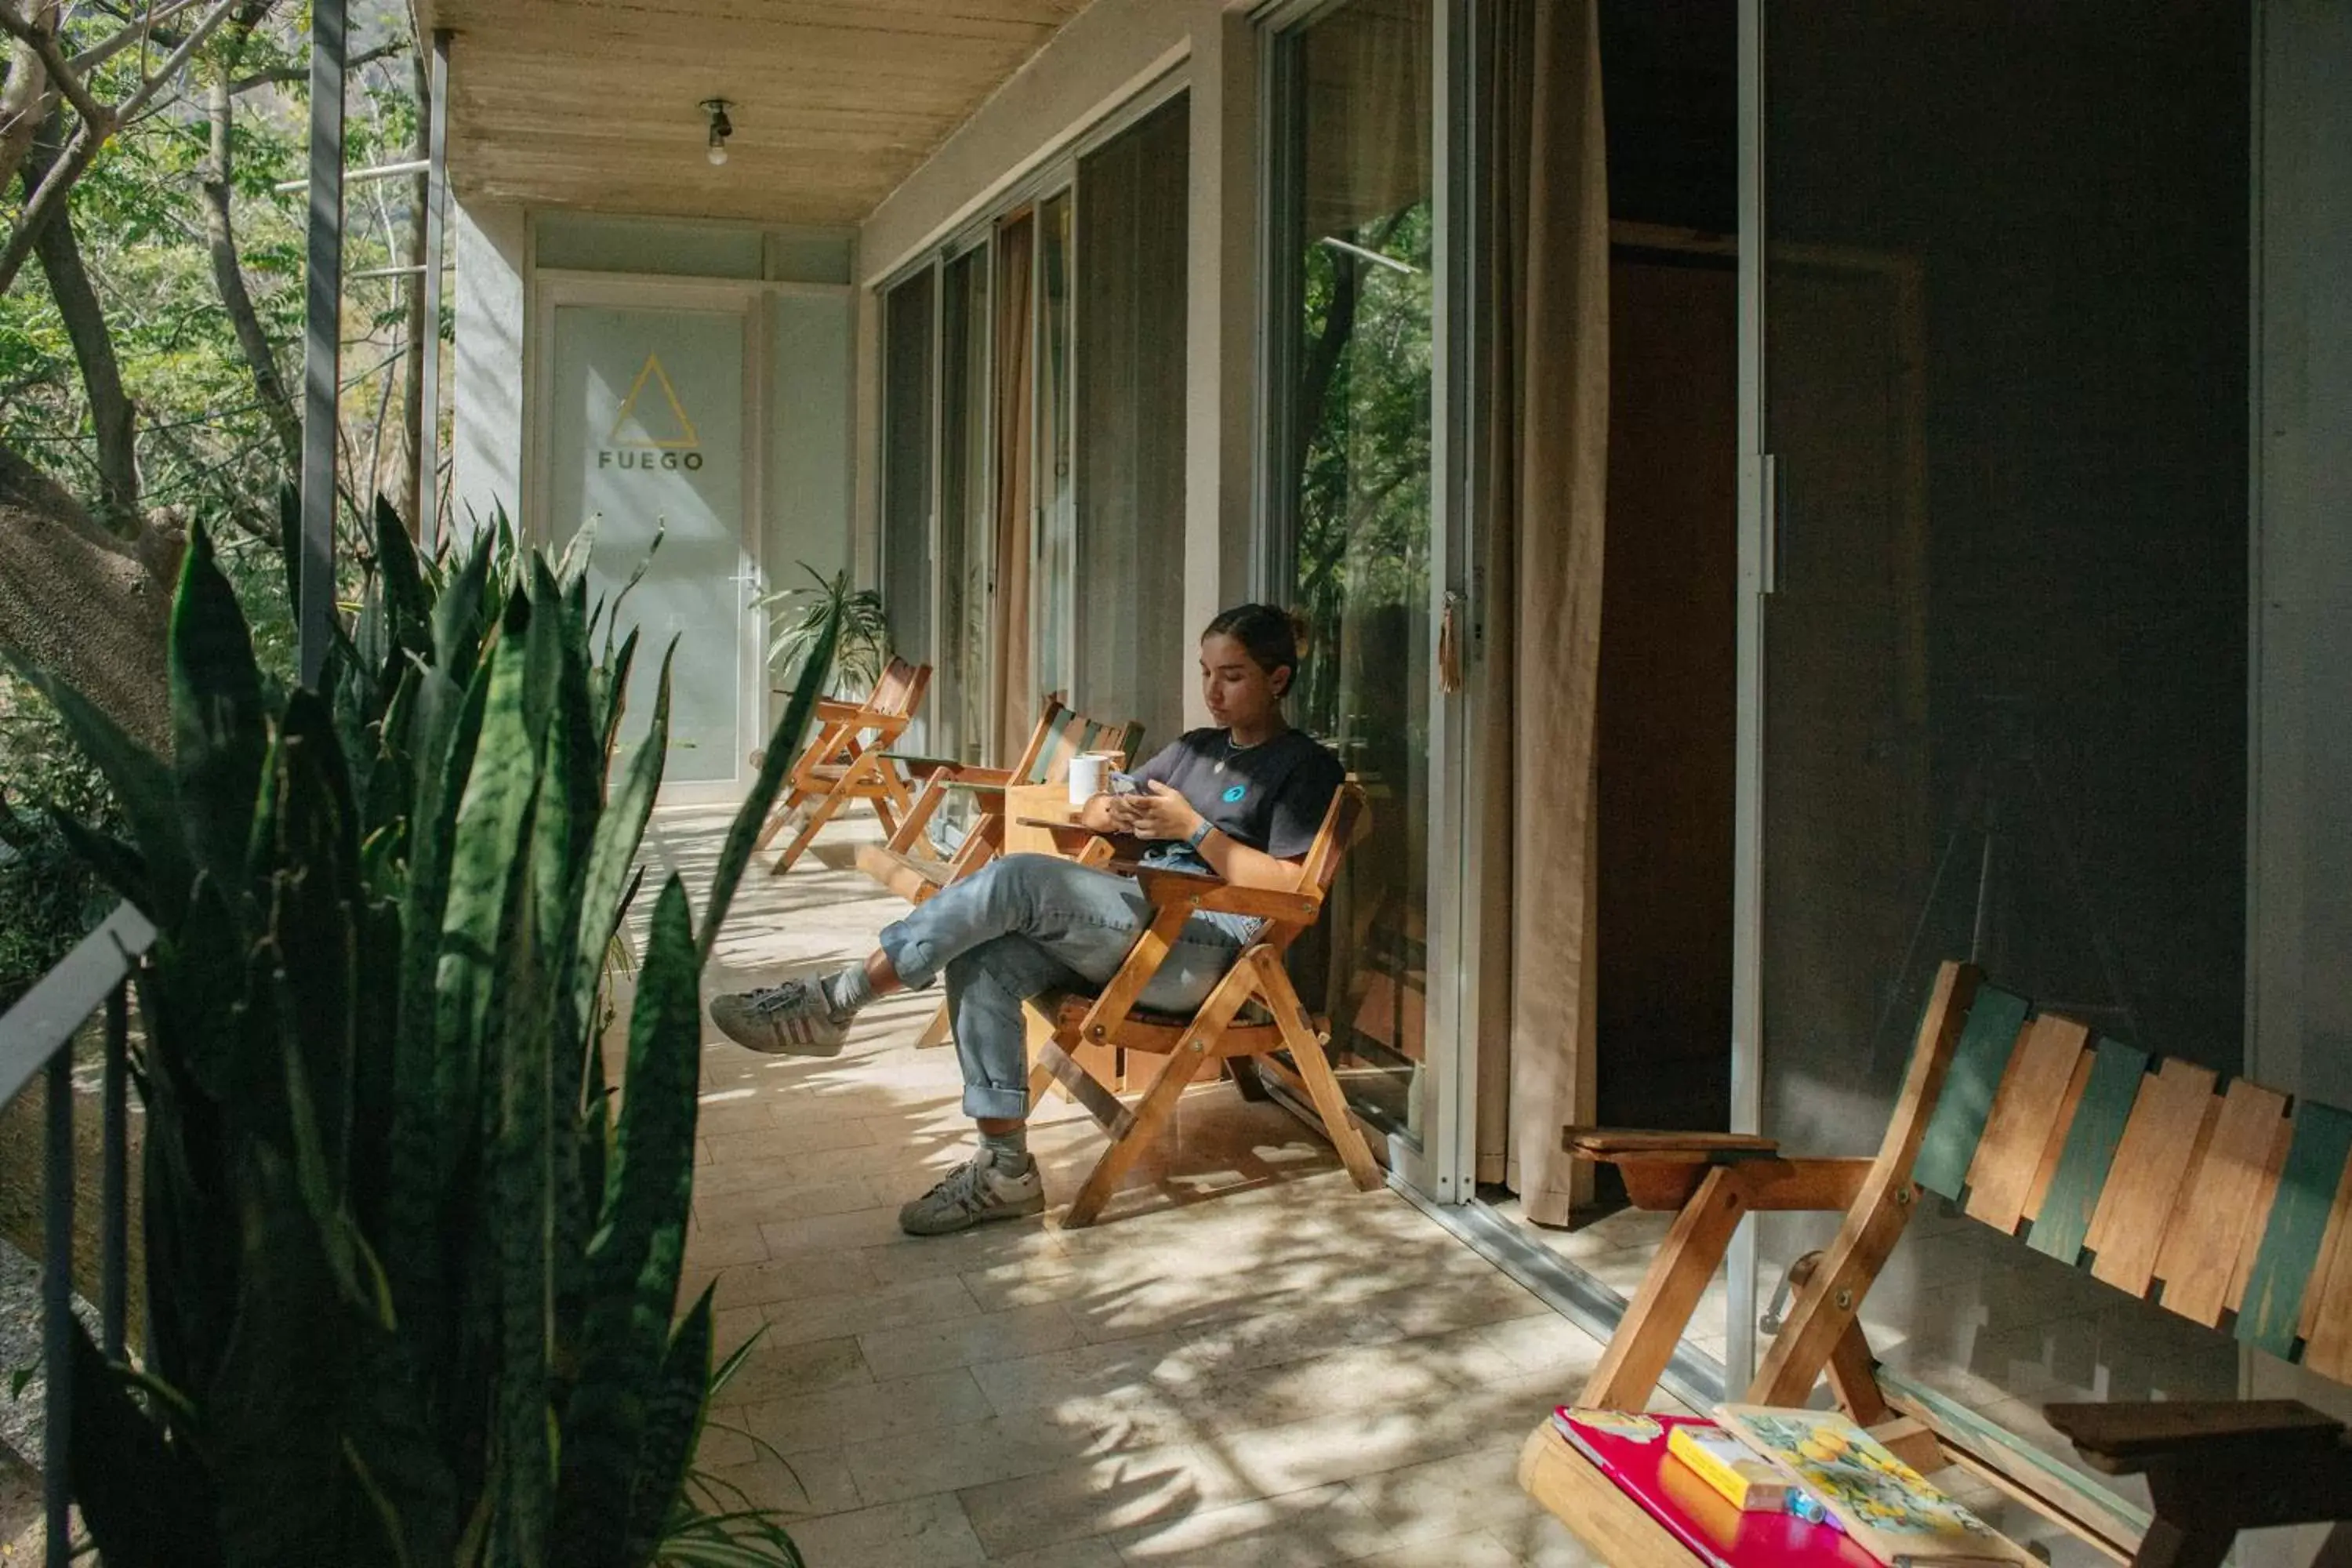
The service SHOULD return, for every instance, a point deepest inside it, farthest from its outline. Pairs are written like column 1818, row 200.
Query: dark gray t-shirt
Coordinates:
column 1270, row 796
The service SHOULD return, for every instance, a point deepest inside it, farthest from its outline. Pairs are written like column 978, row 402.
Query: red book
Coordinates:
column 1630, row 1449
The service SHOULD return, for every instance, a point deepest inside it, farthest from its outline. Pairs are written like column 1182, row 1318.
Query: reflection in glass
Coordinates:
column 1133, row 647
column 1056, row 517
column 967, row 533
column 2005, row 662
column 906, row 466
column 1356, row 472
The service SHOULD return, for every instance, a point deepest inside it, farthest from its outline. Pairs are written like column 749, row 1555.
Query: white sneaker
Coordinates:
column 981, row 1189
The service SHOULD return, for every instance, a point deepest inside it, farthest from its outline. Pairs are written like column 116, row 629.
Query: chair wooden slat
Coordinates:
column 2065, row 1222
column 2127, row 1228
column 1970, row 1083
column 1060, row 744
column 2332, row 1245
column 2272, row 1310
column 2327, row 1306
column 2046, row 1169
column 1026, row 768
column 2024, row 1116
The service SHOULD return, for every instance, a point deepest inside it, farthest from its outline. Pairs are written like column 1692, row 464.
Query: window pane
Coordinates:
column 1056, row 515
column 906, row 466
column 2005, row 667
column 1133, row 647
column 960, row 689
column 1356, row 491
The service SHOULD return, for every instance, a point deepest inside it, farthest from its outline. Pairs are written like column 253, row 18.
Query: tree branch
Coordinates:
column 44, row 43
column 228, row 265
column 24, row 100
column 88, row 138
column 89, row 60
column 114, row 418
column 286, row 76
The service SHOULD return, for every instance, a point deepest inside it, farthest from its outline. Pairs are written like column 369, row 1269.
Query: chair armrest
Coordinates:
column 1214, row 895
column 2128, row 1438
column 828, row 708
column 1619, row 1145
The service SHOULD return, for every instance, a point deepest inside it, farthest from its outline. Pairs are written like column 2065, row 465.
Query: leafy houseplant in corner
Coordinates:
column 414, row 1277
column 800, row 616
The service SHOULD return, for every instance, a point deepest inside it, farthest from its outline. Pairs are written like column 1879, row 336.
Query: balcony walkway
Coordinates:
column 1245, row 1363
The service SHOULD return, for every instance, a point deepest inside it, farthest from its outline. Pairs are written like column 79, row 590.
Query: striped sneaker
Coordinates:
column 983, row 1188
column 794, row 1019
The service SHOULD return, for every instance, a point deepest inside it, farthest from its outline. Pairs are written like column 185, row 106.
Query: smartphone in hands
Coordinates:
column 1126, row 783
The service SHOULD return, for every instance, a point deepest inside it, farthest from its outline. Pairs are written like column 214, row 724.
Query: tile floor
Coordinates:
column 1246, row 1362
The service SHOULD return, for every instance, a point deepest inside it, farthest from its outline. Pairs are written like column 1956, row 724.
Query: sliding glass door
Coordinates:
column 965, row 547
column 909, row 347
column 2000, row 538
column 1352, row 537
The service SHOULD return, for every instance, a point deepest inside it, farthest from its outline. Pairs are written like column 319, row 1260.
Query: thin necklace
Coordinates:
column 1233, row 750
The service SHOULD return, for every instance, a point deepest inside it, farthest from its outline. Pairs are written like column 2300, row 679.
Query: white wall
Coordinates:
column 487, row 382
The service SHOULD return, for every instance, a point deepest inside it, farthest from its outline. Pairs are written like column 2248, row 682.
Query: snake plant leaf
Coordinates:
column 784, row 746
column 523, row 1221
column 457, row 622
column 315, row 950
column 673, row 1425
column 273, row 1434
column 573, row 565
column 408, row 613
column 639, row 1246
column 219, row 730
column 612, row 689
column 620, row 829
column 484, row 862
column 136, row 1487
column 142, row 785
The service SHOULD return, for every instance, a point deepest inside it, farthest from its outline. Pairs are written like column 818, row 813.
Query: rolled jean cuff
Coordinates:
column 911, row 958
column 979, row 1101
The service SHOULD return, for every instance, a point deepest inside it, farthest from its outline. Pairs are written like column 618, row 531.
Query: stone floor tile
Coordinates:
column 736, row 1245
column 801, row 1136
column 801, row 1485
column 1542, row 1541
column 930, row 1531
column 780, row 1369
column 853, row 1413
column 867, row 1311
column 1298, row 1529
column 1458, row 1495
column 782, row 1281
column 1117, row 1492
column 969, row 1342
column 1335, row 1448
column 1091, row 1553
column 1480, row 1548
column 1010, row 1447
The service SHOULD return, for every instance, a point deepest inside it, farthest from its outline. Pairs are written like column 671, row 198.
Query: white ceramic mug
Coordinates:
column 1089, row 776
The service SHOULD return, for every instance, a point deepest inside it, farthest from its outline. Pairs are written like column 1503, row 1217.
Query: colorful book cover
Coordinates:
column 1631, row 1449
column 1885, row 1504
column 1754, row 1484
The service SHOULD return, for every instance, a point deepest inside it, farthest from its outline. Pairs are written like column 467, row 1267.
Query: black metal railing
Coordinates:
column 36, row 1035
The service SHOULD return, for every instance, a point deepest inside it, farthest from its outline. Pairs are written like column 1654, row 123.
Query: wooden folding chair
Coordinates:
column 1253, row 1014
column 848, row 761
column 913, row 867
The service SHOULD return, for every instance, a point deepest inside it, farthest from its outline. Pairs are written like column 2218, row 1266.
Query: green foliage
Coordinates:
column 413, row 1277
column 798, row 617
column 48, row 898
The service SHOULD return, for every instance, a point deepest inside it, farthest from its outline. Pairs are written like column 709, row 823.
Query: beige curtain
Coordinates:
column 1011, row 661
column 1547, row 380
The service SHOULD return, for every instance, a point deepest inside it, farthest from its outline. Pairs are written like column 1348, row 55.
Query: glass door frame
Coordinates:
column 1441, row 1165
column 553, row 290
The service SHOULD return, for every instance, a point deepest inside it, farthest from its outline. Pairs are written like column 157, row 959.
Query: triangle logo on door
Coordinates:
column 648, row 434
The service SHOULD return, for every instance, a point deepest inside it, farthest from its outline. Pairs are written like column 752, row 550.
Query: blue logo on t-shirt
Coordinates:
column 1235, row 793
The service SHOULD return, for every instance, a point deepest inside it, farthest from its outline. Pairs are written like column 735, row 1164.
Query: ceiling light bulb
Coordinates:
column 718, row 152
column 721, row 128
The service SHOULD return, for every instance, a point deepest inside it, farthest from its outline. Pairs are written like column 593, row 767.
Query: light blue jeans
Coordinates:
column 1027, row 925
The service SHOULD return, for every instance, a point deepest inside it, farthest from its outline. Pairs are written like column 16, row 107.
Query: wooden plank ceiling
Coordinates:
column 595, row 103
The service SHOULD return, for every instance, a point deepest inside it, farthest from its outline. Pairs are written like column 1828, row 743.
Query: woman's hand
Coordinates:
column 1162, row 813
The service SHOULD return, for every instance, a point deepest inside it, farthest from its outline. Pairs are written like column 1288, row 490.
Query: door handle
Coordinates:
column 1449, row 645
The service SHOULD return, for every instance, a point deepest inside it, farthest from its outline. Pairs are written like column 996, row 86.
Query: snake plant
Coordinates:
column 413, row 1266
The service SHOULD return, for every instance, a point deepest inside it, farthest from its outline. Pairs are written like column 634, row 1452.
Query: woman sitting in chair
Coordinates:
column 1242, row 802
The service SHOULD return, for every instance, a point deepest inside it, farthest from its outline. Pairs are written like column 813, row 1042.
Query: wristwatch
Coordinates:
column 1200, row 835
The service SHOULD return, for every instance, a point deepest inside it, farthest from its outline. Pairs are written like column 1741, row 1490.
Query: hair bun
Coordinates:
column 1302, row 631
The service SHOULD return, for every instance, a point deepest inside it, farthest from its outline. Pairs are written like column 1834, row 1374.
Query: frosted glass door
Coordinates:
column 646, row 423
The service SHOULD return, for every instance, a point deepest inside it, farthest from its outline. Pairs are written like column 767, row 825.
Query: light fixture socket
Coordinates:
column 721, row 128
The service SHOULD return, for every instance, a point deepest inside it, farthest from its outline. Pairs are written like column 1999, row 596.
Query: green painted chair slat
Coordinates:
column 2273, row 1309
column 1057, row 722
column 2073, row 1196
column 1969, row 1084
